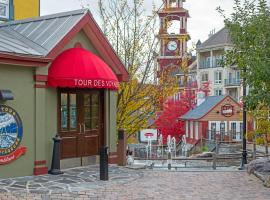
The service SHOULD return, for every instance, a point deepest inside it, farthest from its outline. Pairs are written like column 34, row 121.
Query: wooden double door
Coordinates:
column 80, row 122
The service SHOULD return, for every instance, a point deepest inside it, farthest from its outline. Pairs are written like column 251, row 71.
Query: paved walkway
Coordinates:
column 129, row 184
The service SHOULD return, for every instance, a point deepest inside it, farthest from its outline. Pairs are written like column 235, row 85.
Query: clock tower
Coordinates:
column 173, row 36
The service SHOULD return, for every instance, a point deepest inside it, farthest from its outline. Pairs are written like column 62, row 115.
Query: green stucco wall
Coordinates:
column 20, row 81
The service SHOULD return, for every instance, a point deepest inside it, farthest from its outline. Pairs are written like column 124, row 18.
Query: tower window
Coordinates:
column 173, row 3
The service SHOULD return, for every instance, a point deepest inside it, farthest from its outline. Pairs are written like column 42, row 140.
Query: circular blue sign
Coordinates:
column 11, row 130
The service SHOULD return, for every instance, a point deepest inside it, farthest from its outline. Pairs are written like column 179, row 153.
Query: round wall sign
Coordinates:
column 11, row 133
column 227, row 110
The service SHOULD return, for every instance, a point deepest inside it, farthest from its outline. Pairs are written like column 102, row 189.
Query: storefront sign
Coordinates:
column 96, row 83
column 11, row 132
column 227, row 110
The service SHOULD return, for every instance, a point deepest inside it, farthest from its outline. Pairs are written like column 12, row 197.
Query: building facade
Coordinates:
column 223, row 80
column 216, row 117
column 58, row 75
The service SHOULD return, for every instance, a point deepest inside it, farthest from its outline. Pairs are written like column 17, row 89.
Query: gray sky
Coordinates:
column 204, row 16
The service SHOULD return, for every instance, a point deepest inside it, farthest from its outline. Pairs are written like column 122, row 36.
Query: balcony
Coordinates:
column 189, row 84
column 210, row 63
column 232, row 82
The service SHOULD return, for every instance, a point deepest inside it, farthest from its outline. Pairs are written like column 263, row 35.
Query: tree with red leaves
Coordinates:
column 168, row 122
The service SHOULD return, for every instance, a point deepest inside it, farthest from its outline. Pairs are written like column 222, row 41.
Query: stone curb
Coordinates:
column 264, row 178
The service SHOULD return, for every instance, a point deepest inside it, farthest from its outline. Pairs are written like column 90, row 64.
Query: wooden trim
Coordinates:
column 61, row 44
column 40, row 78
column 40, row 162
column 23, row 60
column 40, row 86
column 113, row 158
column 40, row 170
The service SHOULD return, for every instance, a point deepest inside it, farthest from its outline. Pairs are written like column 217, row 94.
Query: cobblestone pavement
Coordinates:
column 128, row 184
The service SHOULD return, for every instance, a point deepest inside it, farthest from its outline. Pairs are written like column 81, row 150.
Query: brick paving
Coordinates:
column 175, row 185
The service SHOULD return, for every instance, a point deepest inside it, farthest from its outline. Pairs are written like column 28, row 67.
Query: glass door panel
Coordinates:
column 73, row 111
column 64, row 111
column 87, row 111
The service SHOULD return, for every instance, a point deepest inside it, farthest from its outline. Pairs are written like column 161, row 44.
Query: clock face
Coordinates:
column 172, row 45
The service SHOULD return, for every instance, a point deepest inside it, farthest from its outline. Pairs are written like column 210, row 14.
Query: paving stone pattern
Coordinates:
column 129, row 184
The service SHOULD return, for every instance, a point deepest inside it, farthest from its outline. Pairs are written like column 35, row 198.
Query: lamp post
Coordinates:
column 244, row 140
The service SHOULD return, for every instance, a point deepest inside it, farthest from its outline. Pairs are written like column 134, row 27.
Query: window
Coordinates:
column 218, row 92
column 204, row 77
column 213, row 130
column 233, row 130
column 68, row 111
column 218, row 77
column 238, row 75
column 208, row 62
column 173, row 3
column 4, row 9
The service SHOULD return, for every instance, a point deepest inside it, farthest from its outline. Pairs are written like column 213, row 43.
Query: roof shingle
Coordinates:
column 220, row 38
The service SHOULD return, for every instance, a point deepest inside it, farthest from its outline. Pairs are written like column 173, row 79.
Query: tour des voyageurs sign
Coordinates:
column 11, row 132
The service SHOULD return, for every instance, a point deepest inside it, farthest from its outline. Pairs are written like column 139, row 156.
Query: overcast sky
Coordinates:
column 204, row 16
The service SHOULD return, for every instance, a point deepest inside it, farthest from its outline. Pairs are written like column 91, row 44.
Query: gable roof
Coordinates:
column 39, row 40
column 220, row 38
column 39, row 35
column 200, row 111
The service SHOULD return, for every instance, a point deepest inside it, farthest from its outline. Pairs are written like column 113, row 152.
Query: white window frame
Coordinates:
column 196, row 130
column 218, row 77
column 203, row 75
column 187, row 128
column 218, row 92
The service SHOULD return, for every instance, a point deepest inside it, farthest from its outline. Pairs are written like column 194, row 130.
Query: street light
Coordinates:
column 244, row 140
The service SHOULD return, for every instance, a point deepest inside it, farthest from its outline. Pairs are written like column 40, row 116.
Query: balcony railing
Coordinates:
column 210, row 63
column 232, row 82
column 189, row 84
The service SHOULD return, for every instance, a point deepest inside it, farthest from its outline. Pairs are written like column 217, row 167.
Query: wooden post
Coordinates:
column 214, row 161
column 122, row 148
column 216, row 145
column 254, row 147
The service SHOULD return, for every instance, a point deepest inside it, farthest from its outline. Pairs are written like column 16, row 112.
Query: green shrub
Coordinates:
column 205, row 149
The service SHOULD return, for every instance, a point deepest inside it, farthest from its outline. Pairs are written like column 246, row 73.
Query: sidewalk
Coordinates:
column 128, row 184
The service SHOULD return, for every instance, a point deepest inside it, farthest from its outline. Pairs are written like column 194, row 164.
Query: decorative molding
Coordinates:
column 40, row 162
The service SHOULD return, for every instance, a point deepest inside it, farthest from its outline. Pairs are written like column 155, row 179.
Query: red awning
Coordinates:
column 79, row 68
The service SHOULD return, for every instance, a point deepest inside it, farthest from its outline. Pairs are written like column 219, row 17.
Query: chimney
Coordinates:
column 200, row 97
column 212, row 32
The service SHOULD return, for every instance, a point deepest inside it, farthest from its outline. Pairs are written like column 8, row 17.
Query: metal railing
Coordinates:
column 212, row 63
column 232, row 82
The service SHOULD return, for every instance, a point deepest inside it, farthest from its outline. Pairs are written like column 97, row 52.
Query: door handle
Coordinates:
column 84, row 128
column 80, row 128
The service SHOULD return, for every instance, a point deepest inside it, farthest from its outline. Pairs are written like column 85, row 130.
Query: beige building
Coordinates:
column 223, row 80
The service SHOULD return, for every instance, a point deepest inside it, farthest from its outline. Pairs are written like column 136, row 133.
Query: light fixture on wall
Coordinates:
column 6, row 95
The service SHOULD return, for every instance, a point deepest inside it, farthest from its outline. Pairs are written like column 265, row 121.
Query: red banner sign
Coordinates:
column 13, row 156
column 149, row 134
